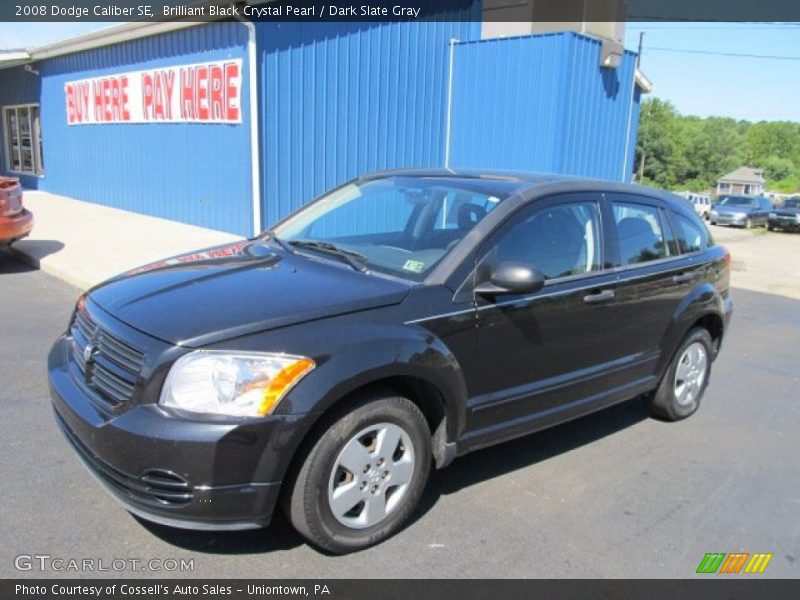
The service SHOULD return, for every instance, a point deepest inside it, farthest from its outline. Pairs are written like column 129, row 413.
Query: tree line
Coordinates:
column 680, row 152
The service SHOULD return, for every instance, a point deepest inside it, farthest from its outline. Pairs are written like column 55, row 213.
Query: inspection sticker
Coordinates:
column 414, row 265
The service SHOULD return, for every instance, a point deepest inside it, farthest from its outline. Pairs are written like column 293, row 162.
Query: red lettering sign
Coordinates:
column 205, row 93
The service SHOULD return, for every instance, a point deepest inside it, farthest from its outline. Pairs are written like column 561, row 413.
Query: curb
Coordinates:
column 64, row 275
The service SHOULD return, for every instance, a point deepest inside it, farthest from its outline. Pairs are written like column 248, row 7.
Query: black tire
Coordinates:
column 769, row 226
column 664, row 403
column 308, row 505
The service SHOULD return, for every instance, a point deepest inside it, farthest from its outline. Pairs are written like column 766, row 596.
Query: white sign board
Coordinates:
column 199, row 93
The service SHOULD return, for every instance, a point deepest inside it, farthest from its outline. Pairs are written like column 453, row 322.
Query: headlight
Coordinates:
column 230, row 383
column 713, row 212
column 773, row 216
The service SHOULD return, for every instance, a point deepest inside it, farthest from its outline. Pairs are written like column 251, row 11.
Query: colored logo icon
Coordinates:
column 734, row 562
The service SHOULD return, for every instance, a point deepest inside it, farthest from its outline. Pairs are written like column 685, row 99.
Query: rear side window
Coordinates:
column 690, row 237
column 639, row 232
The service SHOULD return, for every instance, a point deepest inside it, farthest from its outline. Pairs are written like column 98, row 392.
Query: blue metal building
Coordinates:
column 316, row 104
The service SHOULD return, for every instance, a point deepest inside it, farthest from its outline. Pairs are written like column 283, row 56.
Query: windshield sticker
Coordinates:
column 414, row 265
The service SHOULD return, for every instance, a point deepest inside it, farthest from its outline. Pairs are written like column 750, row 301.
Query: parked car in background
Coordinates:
column 786, row 217
column 15, row 221
column 742, row 211
column 701, row 203
column 402, row 320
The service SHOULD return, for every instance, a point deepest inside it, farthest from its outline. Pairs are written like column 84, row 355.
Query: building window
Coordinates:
column 23, row 139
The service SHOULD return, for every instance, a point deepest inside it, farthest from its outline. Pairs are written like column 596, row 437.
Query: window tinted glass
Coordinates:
column 690, row 236
column 462, row 209
column 639, row 233
column 383, row 211
column 561, row 240
column 400, row 225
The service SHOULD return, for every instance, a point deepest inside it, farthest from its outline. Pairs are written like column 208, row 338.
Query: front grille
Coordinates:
column 111, row 366
column 155, row 487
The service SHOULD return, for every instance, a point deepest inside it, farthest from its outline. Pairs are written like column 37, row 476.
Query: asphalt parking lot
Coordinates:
column 615, row 494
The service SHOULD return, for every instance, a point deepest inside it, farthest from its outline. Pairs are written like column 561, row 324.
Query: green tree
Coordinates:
column 686, row 152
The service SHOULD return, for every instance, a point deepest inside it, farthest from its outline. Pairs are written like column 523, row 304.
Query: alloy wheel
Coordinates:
column 690, row 374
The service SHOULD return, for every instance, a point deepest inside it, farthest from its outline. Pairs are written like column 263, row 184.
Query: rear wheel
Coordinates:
column 681, row 389
column 363, row 478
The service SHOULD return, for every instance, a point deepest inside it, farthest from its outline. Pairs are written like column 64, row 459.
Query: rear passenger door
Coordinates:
column 653, row 277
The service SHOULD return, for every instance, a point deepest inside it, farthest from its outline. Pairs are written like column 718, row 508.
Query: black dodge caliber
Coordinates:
column 397, row 322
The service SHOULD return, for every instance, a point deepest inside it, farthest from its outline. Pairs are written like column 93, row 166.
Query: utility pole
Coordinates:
column 639, row 53
column 638, row 63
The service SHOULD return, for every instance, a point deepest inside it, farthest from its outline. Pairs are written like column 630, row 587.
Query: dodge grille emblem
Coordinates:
column 88, row 352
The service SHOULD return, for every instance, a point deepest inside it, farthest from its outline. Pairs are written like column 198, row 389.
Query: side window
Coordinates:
column 561, row 240
column 639, row 232
column 690, row 236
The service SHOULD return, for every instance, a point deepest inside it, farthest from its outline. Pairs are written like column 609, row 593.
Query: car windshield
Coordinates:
column 401, row 225
column 792, row 203
column 736, row 201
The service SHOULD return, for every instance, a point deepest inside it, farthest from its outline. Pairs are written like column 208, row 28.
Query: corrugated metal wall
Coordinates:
column 542, row 103
column 342, row 99
column 195, row 173
column 17, row 86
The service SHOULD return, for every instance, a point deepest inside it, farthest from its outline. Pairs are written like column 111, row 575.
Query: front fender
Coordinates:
column 370, row 354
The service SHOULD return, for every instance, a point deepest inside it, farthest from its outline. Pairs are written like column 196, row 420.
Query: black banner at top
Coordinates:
column 403, row 10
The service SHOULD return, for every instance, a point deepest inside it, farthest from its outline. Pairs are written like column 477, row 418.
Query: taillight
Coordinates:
column 10, row 196
column 727, row 257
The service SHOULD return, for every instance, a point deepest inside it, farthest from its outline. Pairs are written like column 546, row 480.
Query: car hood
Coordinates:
column 790, row 211
column 227, row 291
column 720, row 208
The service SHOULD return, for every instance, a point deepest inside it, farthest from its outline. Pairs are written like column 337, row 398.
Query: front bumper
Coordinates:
column 786, row 223
column 172, row 469
column 15, row 227
column 729, row 219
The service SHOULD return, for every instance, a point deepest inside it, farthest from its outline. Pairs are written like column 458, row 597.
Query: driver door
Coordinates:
column 541, row 357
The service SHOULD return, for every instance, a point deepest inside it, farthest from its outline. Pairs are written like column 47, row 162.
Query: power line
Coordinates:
column 723, row 26
column 733, row 54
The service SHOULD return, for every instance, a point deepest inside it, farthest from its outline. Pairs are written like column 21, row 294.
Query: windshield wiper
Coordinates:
column 354, row 259
column 270, row 235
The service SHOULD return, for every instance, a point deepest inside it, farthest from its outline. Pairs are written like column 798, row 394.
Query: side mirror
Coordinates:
column 510, row 277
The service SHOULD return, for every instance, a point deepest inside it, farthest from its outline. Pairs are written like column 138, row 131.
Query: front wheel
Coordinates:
column 364, row 476
column 681, row 389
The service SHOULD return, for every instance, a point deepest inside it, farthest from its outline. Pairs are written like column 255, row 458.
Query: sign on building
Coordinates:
column 198, row 93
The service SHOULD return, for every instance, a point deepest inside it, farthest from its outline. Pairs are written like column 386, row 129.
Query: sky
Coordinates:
column 753, row 89
column 749, row 88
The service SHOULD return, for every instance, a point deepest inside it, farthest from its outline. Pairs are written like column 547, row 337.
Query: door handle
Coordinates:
column 683, row 278
column 599, row 296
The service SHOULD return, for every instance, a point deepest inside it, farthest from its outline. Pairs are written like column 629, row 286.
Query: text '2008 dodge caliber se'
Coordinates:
column 400, row 321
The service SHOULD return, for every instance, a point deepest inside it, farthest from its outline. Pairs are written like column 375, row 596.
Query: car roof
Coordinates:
column 526, row 183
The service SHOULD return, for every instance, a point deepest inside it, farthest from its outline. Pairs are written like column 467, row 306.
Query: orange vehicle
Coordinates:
column 15, row 221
